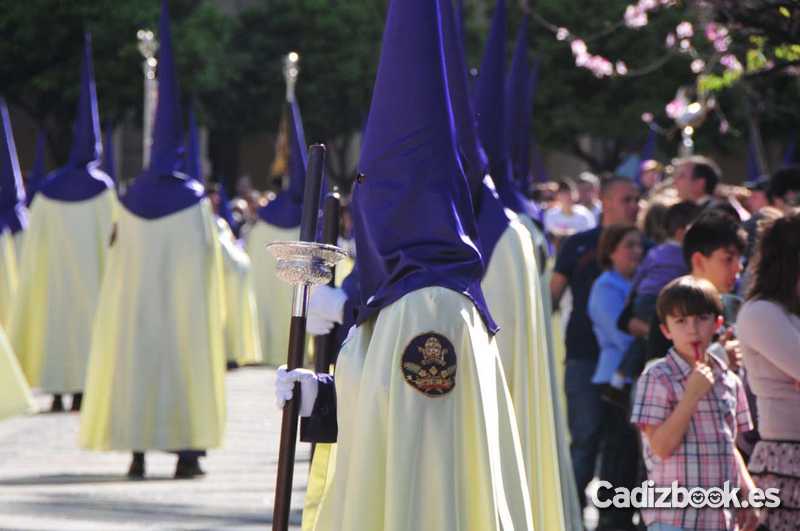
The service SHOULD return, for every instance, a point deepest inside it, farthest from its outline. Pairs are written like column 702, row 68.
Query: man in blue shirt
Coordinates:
column 577, row 268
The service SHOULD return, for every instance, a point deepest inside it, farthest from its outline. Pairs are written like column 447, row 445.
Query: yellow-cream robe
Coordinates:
column 242, row 340
column 59, row 282
column 8, row 277
column 19, row 239
column 409, row 461
column 15, row 395
column 273, row 296
column 512, row 291
column 157, row 370
column 573, row 516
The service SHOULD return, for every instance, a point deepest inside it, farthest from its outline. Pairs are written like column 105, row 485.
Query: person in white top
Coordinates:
column 567, row 217
column 588, row 186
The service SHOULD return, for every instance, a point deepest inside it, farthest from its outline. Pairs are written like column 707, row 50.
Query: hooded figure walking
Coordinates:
column 156, row 376
column 13, row 215
column 15, row 395
column 63, row 259
column 419, row 441
column 279, row 220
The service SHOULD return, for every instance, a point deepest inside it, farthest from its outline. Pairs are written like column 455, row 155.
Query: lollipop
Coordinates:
column 697, row 355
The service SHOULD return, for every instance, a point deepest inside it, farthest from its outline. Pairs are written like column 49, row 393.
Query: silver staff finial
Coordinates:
column 148, row 46
column 305, row 262
column 291, row 69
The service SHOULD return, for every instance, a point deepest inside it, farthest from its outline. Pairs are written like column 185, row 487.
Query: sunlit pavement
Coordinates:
column 48, row 483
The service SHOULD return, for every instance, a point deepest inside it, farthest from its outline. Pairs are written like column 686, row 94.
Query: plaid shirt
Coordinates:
column 705, row 458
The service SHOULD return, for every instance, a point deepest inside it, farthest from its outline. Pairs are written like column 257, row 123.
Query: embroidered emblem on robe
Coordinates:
column 429, row 364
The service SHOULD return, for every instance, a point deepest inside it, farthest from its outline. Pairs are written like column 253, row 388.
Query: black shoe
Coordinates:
column 620, row 398
column 231, row 365
column 58, row 404
column 188, row 468
column 77, row 400
column 136, row 470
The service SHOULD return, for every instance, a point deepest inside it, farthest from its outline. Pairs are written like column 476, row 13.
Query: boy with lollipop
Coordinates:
column 689, row 408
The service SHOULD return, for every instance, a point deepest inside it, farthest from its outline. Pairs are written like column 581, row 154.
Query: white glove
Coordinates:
column 328, row 303
column 317, row 325
column 284, row 388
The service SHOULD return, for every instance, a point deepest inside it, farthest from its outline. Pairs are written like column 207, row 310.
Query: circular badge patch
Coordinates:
column 429, row 364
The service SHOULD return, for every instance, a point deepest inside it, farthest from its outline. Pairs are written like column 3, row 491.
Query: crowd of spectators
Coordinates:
column 682, row 236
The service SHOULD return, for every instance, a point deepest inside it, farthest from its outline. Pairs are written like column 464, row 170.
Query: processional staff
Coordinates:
column 303, row 264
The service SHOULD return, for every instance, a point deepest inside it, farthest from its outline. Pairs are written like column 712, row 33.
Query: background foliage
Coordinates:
column 230, row 69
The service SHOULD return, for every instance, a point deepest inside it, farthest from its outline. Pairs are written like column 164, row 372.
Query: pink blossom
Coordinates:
column 715, row 31
column 730, row 62
column 685, row 44
column 684, row 30
column 724, row 126
column 721, row 44
column 606, row 67
column 711, row 31
column 647, row 117
column 595, row 63
column 670, row 41
column 635, row 17
column 648, row 5
column 621, row 68
column 562, row 34
column 578, row 47
column 676, row 108
column 697, row 66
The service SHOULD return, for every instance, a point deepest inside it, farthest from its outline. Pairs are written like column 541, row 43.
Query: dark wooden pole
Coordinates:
column 297, row 339
column 324, row 345
column 330, row 234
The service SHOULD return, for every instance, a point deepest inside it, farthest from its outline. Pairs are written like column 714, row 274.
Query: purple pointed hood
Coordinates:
column 491, row 216
column 286, row 209
column 413, row 214
column 38, row 173
column 490, row 109
column 753, row 164
column 193, row 161
column 13, row 213
column 520, row 85
column 81, row 178
column 162, row 189
column 459, row 27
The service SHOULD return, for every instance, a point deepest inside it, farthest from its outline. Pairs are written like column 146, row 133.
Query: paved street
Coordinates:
column 48, row 483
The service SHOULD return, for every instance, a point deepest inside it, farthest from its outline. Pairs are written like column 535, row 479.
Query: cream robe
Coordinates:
column 273, row 296
column 573, row 516
column 242, row 341
column 8, row 277
column 157, row 370
column 19, row 239
column 407, row 461
column 62, row 265
column 15, row 395
column 512, row 290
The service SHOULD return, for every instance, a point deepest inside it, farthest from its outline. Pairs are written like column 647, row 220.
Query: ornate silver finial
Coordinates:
column 691, row 115
column 305, row 262
column 148, row 46
column 291, row 69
